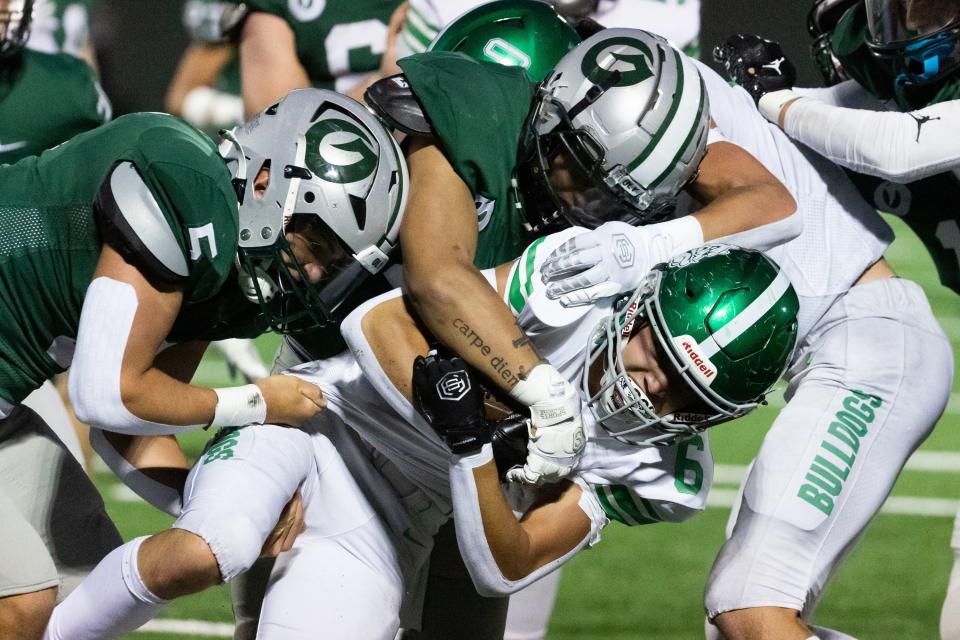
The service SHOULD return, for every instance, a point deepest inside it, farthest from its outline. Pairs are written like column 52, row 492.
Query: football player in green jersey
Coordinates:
column 205, row 89
column 44, row 98
column 133, row 242
column 891, row 122
column 331, row 44
column 63, row 26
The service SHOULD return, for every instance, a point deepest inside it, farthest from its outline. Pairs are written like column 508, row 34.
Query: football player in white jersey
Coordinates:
column 374, row 475
column 856, row 409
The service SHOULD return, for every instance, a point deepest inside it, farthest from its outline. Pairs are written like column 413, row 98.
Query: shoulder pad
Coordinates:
column 132, row 222
column 393, row 100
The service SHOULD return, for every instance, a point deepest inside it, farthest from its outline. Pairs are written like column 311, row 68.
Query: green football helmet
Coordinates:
column 724, row 317
column 338, row 178
column 514, row 33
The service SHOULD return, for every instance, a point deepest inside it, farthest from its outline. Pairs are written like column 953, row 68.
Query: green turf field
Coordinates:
column 647, row 582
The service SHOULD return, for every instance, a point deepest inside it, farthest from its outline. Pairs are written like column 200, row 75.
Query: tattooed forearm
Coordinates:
column 498, row 363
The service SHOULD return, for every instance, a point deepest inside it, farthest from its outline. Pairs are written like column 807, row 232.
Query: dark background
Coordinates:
column 139, row 42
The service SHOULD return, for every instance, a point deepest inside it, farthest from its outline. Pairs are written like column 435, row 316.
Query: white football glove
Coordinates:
column 556, row 430
column 613, row 258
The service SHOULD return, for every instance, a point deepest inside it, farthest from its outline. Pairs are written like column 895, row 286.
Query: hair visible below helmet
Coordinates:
column 917, row 41
column 15, row 22
column 724, row 318
column 821, row 21
column 625, row 116
column 514, row 33
column 337, row 177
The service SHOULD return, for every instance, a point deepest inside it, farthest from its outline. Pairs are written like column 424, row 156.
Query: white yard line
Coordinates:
column 899, row 505
column 188, row 627
column 775, row 401
column 936, row 461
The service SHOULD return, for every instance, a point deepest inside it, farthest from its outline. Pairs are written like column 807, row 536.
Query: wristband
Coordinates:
column 239, row 406
column 537, row 386
column 671, row 238
column 474, row 459
column 772, row 103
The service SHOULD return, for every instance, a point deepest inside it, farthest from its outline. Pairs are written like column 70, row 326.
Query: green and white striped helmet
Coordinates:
column 624, row 118
column 335, row 170
column 513, row 33
column 724, row 318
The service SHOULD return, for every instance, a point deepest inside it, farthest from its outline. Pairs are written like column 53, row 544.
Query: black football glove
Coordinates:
column 510, row 437
column 757, row 65
column 447, row 393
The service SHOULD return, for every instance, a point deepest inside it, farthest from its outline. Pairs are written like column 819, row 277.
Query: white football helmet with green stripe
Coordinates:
column 724, row 318
column 618, row 129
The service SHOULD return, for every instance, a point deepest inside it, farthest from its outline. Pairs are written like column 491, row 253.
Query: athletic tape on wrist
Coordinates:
column 772, row 103
column 239, row 406
column 536, row 387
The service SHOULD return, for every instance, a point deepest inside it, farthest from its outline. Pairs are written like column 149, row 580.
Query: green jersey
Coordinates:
column 338, row 41
column 480, row 143
column 44, row 100
column 929, row 206
column 181, row 208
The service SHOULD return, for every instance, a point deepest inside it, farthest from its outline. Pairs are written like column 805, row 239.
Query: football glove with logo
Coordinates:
column 447, row 394
column 613, row 258
column 555, row 429
column 756, row 64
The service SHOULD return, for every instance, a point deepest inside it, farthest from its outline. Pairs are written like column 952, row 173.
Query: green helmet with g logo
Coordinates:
column 514, row 33
column 332, row 167
column 726, row 320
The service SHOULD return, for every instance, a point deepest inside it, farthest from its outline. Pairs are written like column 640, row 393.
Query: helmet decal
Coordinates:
column 339, row 151
column 698, row 254
column 502, row 52
column 306, row 10
column 631, row 57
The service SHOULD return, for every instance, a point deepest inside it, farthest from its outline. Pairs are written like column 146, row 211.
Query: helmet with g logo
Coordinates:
column 333, row 168
column 623, row 118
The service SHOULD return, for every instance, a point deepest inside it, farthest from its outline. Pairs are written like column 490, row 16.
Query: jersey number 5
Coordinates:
column 196, row 235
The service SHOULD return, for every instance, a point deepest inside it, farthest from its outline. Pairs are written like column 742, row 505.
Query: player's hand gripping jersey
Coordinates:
column 152, row 185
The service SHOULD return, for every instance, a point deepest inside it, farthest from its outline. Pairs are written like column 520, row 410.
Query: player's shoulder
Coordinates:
column 162, row 139
column 525, row 290
column 460, row 66
column 60, row 64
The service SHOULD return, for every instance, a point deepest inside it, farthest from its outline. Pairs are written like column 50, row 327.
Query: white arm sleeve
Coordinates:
column 94, row 383
column 161, row 496
column 900, row 147
column 472, row 540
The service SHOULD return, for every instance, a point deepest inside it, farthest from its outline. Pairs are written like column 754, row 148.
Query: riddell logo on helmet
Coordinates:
column 700, row 365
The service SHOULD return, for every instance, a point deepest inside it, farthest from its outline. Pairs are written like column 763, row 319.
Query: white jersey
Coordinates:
column 676, row 20
column 634, row 485
column 842, row 234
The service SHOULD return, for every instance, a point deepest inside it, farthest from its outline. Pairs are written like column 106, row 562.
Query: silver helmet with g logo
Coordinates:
column 617, row 130
column 335, row 174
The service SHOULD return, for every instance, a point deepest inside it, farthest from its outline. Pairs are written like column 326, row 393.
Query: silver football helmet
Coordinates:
column 617, row 130
column 336, row 176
